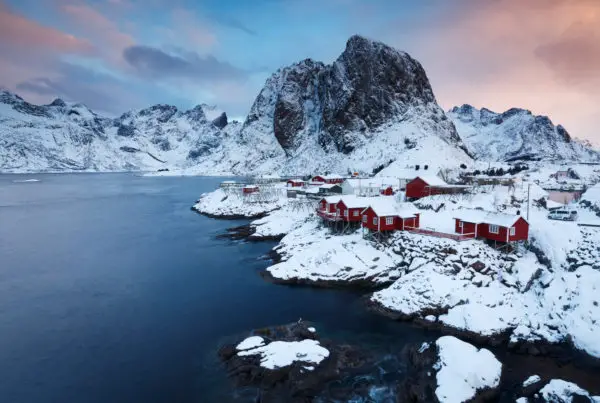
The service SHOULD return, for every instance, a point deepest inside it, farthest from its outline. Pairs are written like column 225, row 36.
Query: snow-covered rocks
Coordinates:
column 554, row 391
column 559, row 391
column 223, row 203
column 290, row 362
column 278, row 354
column 463, row 371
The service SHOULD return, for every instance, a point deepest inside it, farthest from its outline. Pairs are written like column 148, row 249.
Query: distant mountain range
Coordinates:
column 373, row 107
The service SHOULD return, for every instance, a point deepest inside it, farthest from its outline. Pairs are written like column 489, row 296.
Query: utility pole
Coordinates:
column 528, row 189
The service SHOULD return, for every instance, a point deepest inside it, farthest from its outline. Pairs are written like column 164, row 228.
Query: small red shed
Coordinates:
column 386, row 191
column 388, row 215
column 430, row 185
column 497, row 227
column 249, row 189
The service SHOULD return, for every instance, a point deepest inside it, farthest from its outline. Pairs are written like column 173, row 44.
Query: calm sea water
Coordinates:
column 112, row 290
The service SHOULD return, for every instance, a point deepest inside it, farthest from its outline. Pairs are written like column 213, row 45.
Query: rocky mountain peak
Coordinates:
column 369, row 85
column 59, row 103
column 220, row 121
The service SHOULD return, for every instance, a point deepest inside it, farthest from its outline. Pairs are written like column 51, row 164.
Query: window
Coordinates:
column 355, row 213
column 345, row 213
column 375, row 220
column 512, row 231
column 364, row 219
column 337, row 211
column 494, row 229
column 389, row 220
column 460, row 224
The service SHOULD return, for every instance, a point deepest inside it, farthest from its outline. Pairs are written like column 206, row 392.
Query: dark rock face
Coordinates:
column 220, row 121
column 126, row 131
column 370, row 84
column 292, row 383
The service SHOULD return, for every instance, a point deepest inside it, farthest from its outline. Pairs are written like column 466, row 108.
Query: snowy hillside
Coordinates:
column 70, row 137
column 516, row 133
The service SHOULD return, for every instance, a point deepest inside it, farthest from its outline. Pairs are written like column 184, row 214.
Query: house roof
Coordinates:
column 376, row 182
column 250, row 187
column 432, row 180
column 352, row 201
column 487, row 217
column 332, row 176
column 329, row 185
column 387, row 206
column 296, row 180
column 332, row 199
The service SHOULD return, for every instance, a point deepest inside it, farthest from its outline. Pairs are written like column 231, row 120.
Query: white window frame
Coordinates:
column 355, row 213
column 460, row 224
column 375, row 220
column 364, row 219
column 346, row 213
column 389, row 220
column 513, row 231
column 494, row 229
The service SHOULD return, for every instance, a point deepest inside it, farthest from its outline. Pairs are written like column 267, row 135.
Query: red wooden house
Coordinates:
column 497, row 227
column 295, row 183
column 327, row 208
column 387, row 215
column 330, row 179
column 350, row 207
column 429, row 185
column 249, row 189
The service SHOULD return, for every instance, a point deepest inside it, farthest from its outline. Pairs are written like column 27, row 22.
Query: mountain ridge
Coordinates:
column 373, row 106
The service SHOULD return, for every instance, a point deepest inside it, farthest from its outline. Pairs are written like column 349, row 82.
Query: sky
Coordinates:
column 116, row 55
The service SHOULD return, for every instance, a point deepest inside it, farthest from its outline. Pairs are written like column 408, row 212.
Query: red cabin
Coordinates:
column 330, row 179
column 423, row 186
column 250, row 189
column 295, row 183
column 387, row 215
column 497, row 227
column 350, row 207
column 327, row 208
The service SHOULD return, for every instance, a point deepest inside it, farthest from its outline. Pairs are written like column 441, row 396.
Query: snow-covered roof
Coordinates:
column 228, row 182
column 296, row 180
column 332, row 199
column 387, row 206
column 352, row 201
column 332, row 176
column 375, row 182
column 250, row 187
column 432, row 180
column 328, row 185
column 488, row 217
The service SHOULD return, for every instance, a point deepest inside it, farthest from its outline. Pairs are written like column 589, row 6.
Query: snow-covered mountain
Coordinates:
column 373, row 108
column 70, row 137
column 516, row 133
column 374, row 105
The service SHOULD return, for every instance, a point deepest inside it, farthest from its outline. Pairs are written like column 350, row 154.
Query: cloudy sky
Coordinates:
column 113, row 55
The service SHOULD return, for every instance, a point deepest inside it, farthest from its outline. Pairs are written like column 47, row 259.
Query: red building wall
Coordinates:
column 387, row 191
column 383, row 226
column 322, row 204
column 521, row 230
column 351, row 216
column 468, row 227
column 416, row 188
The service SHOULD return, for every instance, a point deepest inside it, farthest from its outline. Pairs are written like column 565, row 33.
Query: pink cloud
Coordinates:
column 18, row 31
column 543, row 55
column 97, row 26
column 196, row 32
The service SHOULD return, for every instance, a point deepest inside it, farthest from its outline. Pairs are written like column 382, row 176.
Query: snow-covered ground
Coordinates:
column 463, row 370
column 232, row 203
column 559, row 391
column 277, row 354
